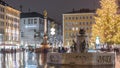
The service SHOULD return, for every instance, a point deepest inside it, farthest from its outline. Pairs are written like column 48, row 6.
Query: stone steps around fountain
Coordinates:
column 97, row 58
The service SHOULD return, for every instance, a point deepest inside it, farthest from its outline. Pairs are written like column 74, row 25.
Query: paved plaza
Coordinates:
column 33, row 60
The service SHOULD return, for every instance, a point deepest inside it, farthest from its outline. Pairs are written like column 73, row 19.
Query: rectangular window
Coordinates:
column 24, row 21
column 80, row 17
column 90, row 22
column 86, row 17
column 76, row 18
column 35, row 21
column 69, row 18
column 28, row 21
column 90, row 17
column 31, row 21
column 83, row 17
column 87, row 23
column 40, row 21
column 65, row 18
column 22, row 34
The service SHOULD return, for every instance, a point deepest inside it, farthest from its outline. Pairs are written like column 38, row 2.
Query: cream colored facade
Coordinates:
column 9, row 25
column 72, row 22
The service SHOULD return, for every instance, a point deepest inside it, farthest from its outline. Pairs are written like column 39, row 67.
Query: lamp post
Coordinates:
column 52, row 33
column 97, row 42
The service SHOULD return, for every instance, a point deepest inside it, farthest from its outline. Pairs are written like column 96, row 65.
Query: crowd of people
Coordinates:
column 12, row 50
column 110, row 48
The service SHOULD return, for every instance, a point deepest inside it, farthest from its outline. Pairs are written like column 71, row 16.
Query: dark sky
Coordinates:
column 55, row 8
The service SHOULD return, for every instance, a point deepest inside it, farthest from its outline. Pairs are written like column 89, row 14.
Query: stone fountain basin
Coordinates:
column 90, row 58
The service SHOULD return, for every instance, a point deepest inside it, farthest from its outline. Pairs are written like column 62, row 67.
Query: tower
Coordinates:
column 45, row 46
column 45, row 28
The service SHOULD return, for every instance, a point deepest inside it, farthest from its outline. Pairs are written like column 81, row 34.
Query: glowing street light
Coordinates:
column 97, row 42
column 52, row 31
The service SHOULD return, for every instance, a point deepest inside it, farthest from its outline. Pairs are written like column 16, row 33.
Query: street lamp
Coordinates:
column 52, row 33
column 97, row 42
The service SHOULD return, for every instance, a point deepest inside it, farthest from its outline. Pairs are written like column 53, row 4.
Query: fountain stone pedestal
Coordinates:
column 81, row 56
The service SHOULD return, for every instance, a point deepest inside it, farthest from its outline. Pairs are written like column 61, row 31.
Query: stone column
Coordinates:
column 45, row 22
column 44, row 46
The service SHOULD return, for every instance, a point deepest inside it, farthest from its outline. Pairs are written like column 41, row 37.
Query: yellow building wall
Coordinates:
column 72, row 24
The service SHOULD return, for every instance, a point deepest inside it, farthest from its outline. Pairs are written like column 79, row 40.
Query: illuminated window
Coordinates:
column 76, row 28
column 73, row 28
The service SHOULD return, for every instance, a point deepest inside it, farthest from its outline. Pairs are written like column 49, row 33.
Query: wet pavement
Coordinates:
column 34, row 60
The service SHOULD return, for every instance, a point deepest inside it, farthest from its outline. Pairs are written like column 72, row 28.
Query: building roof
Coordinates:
column 6, row 4
column 30, row 14
column 82, row 11
column 33, row 14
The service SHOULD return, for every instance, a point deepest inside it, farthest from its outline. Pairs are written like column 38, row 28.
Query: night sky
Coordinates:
column 55, row 8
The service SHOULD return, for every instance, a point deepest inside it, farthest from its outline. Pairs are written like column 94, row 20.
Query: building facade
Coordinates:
column 9, row 25
column 32, row 28
column 59, row 32
column 74, row 21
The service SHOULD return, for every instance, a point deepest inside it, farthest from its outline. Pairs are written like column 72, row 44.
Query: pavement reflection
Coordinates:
column 33, row 60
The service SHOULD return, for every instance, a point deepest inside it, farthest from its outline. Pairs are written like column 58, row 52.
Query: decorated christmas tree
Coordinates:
column 107, row 26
